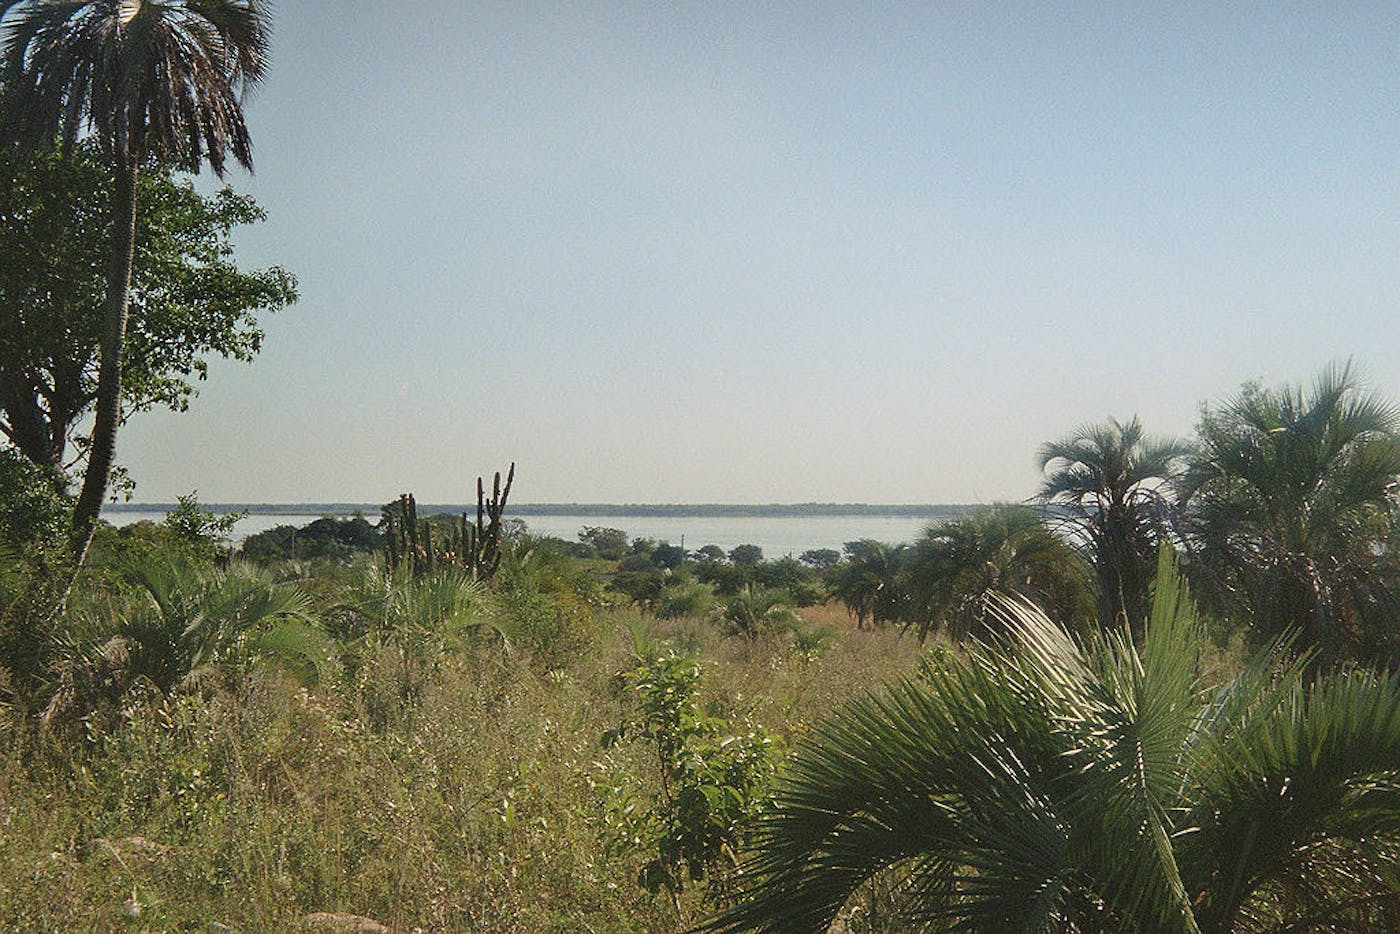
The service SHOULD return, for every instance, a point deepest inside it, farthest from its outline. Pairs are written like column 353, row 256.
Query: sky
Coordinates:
column 787, row 252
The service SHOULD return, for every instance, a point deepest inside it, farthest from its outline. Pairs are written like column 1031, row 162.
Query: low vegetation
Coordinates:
column 465, row 726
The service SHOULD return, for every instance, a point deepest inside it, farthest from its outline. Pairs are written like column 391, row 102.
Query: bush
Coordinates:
column 327, row 537
column 684, row 596
column 34, row 504
column 711, row 782
column 555, row 630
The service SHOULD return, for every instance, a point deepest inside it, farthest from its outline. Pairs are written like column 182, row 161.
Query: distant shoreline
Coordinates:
column 620, row 510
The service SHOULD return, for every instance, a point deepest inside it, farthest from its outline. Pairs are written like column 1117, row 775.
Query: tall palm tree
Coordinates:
column 1046, row 784
column 956, row 571
column 155, row 81
column 1110, row 483
column 1291, row 503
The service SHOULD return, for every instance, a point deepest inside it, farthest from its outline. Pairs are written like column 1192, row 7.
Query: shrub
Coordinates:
column 711, row 783
column 555, row 630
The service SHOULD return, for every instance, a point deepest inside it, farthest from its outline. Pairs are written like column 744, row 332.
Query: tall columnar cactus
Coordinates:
column 472, row 546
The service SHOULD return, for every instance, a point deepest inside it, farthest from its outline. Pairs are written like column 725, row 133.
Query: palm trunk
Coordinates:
column 109, row 376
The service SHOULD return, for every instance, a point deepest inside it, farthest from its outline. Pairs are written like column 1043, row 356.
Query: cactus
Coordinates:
column 472, row 546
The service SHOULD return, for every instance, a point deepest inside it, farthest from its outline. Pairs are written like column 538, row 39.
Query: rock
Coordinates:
column 341, row 922
column 140, row 846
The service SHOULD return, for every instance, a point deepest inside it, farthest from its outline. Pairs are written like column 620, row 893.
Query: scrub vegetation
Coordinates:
column 612, row 734
column 1159, row 696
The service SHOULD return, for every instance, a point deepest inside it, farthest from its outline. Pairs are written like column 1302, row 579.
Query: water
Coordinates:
column 777, row 536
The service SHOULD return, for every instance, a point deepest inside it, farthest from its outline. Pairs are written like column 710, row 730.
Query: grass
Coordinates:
column 477, row 806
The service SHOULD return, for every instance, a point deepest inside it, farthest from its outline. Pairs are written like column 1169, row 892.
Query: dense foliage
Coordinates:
column 189, row 299
column 593, row 736
column 327, row 537
column 1111, row 486
column 1043, row 783
column 1291, row 509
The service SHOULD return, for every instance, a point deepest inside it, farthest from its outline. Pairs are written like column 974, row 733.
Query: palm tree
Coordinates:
column 1290, row 506
column 754, row 611
column 1110, row 483
column 955, row 572
column 181, row 627
column 868, row 582
column 156, row 81
column 1047, row 784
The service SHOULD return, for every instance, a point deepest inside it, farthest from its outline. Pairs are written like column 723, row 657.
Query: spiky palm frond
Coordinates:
column 421, row 614
column 869, row 582
column 1290, row 504
column 185, row 628
column 1048, row 784
column 159, row 79
column 1110, row 485
column 754, row 611
column 954, row 572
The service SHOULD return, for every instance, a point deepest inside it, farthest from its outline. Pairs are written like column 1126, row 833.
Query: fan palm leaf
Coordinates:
column 1046, row 783
column 1110, row 483
column 954, row 571
column 1290, row 504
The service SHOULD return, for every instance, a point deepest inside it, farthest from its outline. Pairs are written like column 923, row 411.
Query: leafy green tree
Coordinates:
column 189, row 299
column 33, row 507
column 821, row 558
column 1111, row 485
column 158, row 83
column 1291, row 505
column 1052, row 785
column 609, row 544
column 667, row 555
column 746, row 554
column 643, row 586
column 783, row 573
column 711, row 553
column 326, row 537
column 710, row 784
column 955, row 572
column 200, row 526
column 726, row 578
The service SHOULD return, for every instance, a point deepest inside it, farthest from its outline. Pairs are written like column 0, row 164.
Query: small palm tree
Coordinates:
column 754, row 611
column 398, row 630
column 957, row 570
column 155, row 81
column 186, row 628
column 1111, row 485
column 1291, row 503
column 1046, row 784
column 868, row 582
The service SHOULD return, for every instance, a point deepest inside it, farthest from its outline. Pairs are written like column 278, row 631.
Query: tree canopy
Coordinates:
column 190, row 300
column 1110, row 482
column 1291, row 505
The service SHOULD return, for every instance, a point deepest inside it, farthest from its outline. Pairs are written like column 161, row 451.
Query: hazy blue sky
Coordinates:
column 788, row 252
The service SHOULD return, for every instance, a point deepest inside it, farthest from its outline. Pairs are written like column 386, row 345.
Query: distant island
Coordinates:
column 621, row 510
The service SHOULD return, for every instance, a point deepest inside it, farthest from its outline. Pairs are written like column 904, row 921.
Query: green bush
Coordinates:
column 711, row 782
column 554, row 630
